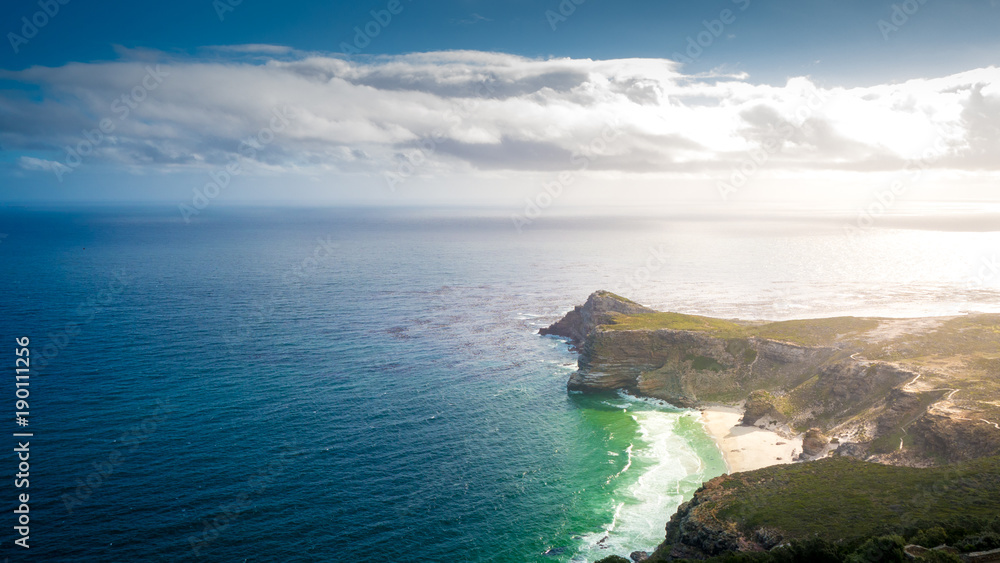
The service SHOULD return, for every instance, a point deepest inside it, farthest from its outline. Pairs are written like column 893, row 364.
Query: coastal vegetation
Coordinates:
column 839, row 509
column 811, row 332
column 899, row 417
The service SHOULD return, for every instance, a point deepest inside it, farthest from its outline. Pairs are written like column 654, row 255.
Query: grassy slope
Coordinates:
column 677, row 321
column 841, row 502
column 811, row 332
column 842, row 497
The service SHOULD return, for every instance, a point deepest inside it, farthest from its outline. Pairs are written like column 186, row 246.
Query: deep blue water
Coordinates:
column 358, row 385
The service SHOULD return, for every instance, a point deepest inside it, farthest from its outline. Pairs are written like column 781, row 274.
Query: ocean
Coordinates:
column 368, row 385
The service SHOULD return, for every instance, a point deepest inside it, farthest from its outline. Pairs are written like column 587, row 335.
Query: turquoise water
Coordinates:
column 352, row 385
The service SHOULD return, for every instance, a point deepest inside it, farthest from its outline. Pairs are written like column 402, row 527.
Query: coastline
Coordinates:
column 745, row 448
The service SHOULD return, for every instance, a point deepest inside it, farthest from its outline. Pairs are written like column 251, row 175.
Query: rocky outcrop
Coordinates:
column 955, row 437
column 814, row 442
column 696, row 532
column 598, row 309
column 853, row 379
column 760, row 405
column 899, row 406
column 693, row 531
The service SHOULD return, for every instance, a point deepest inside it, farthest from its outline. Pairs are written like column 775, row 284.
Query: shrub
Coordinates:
column 932, row 537
column 882, row 548
column 981, row 542
column 940, row 557
column 815, row 550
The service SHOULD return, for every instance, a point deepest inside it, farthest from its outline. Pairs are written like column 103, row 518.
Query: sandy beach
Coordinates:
column 746, row 447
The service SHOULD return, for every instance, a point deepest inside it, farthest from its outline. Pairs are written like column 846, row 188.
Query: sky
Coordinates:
column 727, row 103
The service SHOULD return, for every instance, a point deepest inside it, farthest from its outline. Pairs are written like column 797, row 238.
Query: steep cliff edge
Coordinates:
column 898, row 391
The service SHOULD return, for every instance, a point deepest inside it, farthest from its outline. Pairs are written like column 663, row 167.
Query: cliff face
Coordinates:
column 955, row 438
column 687, row 368
column 864, row 381
column 654, row 363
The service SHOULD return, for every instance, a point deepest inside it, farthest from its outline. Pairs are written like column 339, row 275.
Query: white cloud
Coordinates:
column 255, row 48
column 31, row 163
column 492, row 111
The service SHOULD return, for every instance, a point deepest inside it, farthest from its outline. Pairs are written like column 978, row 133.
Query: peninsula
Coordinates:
column 877, row 396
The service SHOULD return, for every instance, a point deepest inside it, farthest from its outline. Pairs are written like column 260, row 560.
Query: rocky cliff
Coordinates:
column 900, row 391
column 598, row 310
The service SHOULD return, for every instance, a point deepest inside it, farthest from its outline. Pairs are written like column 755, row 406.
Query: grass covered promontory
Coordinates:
column 923, row 391
column 811, row 332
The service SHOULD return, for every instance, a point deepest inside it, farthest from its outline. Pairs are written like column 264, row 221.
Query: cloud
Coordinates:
column 461, row 111
column 256, row 48
column 31, row 163
column 981, row 118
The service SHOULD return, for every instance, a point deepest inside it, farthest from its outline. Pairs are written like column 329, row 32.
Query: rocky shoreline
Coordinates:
column 898, row 392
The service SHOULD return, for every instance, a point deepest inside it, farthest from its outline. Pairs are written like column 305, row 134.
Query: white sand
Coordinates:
column 746, row 448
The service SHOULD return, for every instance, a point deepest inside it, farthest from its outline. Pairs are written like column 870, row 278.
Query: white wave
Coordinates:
column 628, row 463
column 669, row 469
column 624, row 406
column 649, row 401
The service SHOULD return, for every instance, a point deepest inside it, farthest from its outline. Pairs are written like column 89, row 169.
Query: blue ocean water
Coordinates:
column 359, row 385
